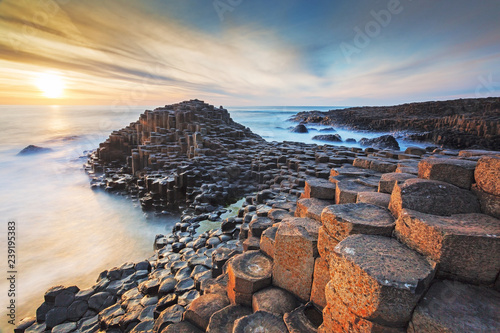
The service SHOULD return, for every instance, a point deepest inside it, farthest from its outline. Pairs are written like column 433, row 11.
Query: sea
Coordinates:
column 66, row 233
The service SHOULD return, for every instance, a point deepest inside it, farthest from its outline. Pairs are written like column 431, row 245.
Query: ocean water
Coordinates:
column 66, row 234
column 272, row 123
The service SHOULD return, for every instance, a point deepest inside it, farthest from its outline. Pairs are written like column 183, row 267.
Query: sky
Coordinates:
column 248, row 52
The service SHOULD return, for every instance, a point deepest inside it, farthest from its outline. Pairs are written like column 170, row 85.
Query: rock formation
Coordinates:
column 335, row 239
column 32, row 149
column 461, row 123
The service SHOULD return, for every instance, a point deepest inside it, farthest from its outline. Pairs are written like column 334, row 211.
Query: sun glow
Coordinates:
column 50, row 84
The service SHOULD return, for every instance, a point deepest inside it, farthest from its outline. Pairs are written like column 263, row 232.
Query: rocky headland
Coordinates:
column 459, row 124
column 327, row 239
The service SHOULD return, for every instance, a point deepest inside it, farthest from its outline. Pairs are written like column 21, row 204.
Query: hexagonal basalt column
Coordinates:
column 319, row 188
column 248, row 273
column 341, row 221
column 454, row 171
column 451, row 306
column 466, row 246
column 378, row 278
column 311, row 208
column 294, row 253
column 259, row 321
column 432, row 197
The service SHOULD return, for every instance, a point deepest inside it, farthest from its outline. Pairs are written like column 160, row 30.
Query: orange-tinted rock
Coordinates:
column 378, row 278
column 294, row 260
column 274, row 300
column 321, row 277
column 311, row 225
column 451, row 306
column 454, row 171
column 319, row 188
column 249, row 272
column 466, row 246
column 362, row 162
column 238, row 298
column 488, row 174
column 267, row 241
column 490, row 204
column 326, row 243
column 341, row 221
column 311, row 208
column 338, row 318
column 347, row 191
column 374, row 198
column 202, row 308
column 432, row 197
column 388, row 180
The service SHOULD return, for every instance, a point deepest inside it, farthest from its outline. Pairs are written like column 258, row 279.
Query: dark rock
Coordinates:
column 223, row 320
column 167, row 286
column 144, row 327
column 165, row 302
column 384, row 141
column 432, row 197
column 64, row 328
column 328, row 129
column 32, row 149
column 304, row 319
column 274, row 300
column 202, row 308
column 182, row 327
column 260, row 321
column 451, row 306
column 299, row 129
column 56, row 316
column 328, row 137
column 24, row 324
column 168, row 316
column 101, row 301
column 42, row 310
column 77, row 309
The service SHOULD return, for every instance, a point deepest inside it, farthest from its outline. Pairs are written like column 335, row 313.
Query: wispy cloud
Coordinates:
column 141, row 53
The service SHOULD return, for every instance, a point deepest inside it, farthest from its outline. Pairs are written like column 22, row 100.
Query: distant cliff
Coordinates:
column 461, row 123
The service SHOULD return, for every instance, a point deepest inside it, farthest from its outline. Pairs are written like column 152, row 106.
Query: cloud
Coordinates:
column 140, row 52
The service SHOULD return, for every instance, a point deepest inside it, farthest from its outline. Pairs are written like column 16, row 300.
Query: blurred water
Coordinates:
column 66, row 233
column 271, row 122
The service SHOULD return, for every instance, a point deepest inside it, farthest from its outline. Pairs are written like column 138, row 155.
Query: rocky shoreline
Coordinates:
column 328, row 238
column 457, row 124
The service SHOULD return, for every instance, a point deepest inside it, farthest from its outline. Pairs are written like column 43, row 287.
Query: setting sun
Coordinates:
column 50, row 84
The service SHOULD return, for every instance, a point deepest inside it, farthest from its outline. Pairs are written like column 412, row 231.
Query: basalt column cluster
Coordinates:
column 166, row 156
